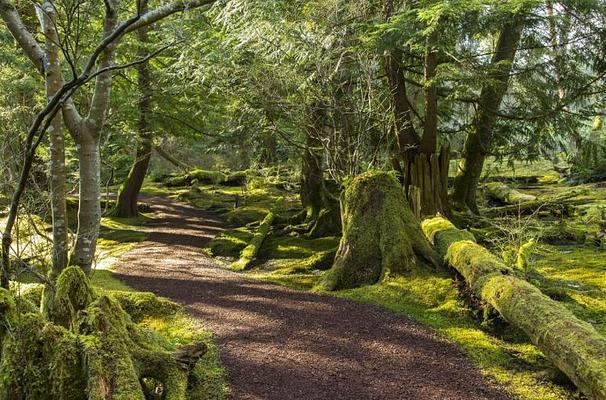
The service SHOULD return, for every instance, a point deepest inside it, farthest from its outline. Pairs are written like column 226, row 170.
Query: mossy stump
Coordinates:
column 381, row 236
column 86, row 347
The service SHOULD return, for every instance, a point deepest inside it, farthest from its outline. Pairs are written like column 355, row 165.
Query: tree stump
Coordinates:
column 381, row 236
column 86, row 347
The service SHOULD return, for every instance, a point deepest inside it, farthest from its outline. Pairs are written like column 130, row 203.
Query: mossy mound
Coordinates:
column 205, row 177
column 381, row 236
column 88, row 347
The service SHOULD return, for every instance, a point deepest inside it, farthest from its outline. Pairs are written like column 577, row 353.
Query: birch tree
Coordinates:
column 86, row 126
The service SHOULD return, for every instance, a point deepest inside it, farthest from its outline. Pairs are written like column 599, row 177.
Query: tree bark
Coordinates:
column 574, row 346
column 479, row 140
column 323, row 217
column 89, row 210
column 54, row 82
column 128, row 197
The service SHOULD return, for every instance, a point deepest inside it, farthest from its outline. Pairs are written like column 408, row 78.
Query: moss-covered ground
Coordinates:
column 173, row 327
column 569, row 267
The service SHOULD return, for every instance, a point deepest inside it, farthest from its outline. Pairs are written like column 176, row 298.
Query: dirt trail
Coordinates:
column 281, row 344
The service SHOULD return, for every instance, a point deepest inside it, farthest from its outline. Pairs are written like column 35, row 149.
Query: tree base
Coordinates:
column 381, row 236
column 87, row 347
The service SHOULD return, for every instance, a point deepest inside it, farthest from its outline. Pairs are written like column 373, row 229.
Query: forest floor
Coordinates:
column 280, row 343
column 568, row 262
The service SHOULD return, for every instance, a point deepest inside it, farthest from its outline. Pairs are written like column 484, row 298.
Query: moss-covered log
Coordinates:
column 200, row 176
column 574, row 346
column 381, row 236
column 87, row 347
column 504, row 194
column 249, row 253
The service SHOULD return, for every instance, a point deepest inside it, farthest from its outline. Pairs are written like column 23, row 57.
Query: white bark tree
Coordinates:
column 86, row 131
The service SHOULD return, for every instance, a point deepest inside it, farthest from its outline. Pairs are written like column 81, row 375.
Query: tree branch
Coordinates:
column 29, row 45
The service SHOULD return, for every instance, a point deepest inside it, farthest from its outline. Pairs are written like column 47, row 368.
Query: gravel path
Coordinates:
column 281, row 344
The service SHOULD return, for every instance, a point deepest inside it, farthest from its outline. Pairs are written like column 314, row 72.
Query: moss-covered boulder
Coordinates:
column 381, row 236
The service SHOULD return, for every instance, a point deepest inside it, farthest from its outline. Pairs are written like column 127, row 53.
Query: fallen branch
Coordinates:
column 249, row 253
column 574, row 346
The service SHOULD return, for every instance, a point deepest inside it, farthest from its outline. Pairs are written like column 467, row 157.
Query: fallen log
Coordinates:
column 574, row 346
column 507, row 195
column 556, row 206
column 249, row 253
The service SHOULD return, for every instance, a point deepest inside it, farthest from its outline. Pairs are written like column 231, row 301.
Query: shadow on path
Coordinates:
column 281, row 344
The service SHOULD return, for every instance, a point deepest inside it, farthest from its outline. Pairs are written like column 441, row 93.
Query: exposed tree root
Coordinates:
column 86, row 347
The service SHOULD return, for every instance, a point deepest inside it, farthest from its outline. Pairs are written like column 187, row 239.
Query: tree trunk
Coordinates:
column 381, row 236
column 572, row 345
column 312, row 178
column 323, row 215
column 426, row 183
column 479, row 140
column 424, row 172
column 54, row 82
column 89, row 210
column 129, row 193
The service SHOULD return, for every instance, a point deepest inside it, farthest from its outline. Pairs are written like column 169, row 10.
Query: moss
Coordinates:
column 246, row 214
column 505, row 194
column 249, row 253
column 196, row 176
column 41, row 361
column 230, row 243
column 381, row 236
column 571, row 344
column 73, row 294
column 576, row 274
column 140, row 305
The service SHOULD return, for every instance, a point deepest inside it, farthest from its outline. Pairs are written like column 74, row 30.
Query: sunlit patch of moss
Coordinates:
column 292, row 247
column 118, row 235
column 104, row 279
column 577, row 274
column 230, row 243
column 246, row 214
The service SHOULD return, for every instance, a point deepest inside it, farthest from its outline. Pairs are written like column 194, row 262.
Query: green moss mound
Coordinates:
column 381, row 236
column 87, row 346
column 205, row 177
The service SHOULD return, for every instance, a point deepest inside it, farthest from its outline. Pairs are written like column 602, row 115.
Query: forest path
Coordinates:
column 281, row 344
